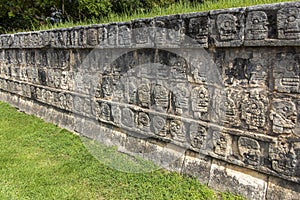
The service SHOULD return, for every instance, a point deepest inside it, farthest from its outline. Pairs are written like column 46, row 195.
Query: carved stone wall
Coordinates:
column 223, row 87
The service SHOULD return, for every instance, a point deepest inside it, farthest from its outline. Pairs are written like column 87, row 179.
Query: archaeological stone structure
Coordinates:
column 214, row 95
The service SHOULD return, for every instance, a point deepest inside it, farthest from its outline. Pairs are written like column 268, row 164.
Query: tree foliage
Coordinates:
column 25, row 14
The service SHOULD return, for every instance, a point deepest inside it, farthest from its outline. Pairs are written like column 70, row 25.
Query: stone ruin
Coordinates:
column 213, row 94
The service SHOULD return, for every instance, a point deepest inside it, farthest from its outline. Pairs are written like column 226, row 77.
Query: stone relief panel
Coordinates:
column 128, row 117
column 200, row 102
column 103, row 112
column 246, row 72
column 143, row 121
column 112, row 32
column 256, row 25
column 197, row 136
column 144, row 95
column 141, row 32
column 288, row 22
column 227, row 28
column 161, row 98
column 176, row 31
column 222, row 143
column 253, row 110
column 253, row 115
column 124, row 35
column 159, row 126
column 283, row 116
column 249, row 150
column 177, row 130
column 229, row 109
column 181, row 96
column 286, row 73
column 92, row 37
column 197, row 28
column 283, row 157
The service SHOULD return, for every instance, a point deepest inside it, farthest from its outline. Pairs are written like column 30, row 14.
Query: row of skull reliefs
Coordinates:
column 235, row 108
column 273, row 156
column 226, row 28
column 273, row 70
column 241, row 70
column 279, row 155
column 63, row 100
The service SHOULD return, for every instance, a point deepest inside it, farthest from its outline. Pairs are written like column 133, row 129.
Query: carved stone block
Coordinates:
column 283, row 157
column 92, row 37
column 197, row 136
column 253, row 110
column 250, row 151
column 177, row 130
column 284, row 116
column 143, row 121
column 197, row 29
column 286, row 73
column 221, row 143
column 124, row 34
column 199, row 101
column 288, row 23
column 256, row 25
column 141, row 33
column 128, row 117
column 161, row 98
column 144, row 95
column 227, row 28
column 159, row 126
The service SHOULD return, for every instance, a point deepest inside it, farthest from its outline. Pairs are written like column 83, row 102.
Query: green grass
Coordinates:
column 38, row 160
column 181, row 7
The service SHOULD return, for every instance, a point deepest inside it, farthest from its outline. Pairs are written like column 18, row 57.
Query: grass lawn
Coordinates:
column 176, row 8
column 38, row 160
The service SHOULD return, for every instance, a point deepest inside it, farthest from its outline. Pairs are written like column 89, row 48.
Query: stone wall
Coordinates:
column 213, row 94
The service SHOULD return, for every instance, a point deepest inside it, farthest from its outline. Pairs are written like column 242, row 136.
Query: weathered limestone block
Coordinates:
column 227, row 27
column 281, row 189
column 198, row 166
column 238, row 180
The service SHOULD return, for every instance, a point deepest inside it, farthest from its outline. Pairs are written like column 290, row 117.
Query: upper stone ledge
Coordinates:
column 262, row 25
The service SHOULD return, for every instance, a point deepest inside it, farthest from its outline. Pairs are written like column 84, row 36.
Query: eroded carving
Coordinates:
column 288, row 22
column 227, row 26
column 178, row 67
column 250, row 151
column 161, row 97
column 177, row 130
column 92, row 37
column 198, row 29
column 106, row 87
column 222, row 143
column 143, row 121
column 160, row 32
column 104, row 112
column 181, row 98
column 159, row 125
column 245, row 72
column 124, row 35
column 286, row 73
column 141, row 32
column 229, row 114
column 256, row 25
column 144, row 95
column 283, row 157
column 200, row 101
column 284, row 116
column 128, row 117
column 254, row 110
column 197, row 136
